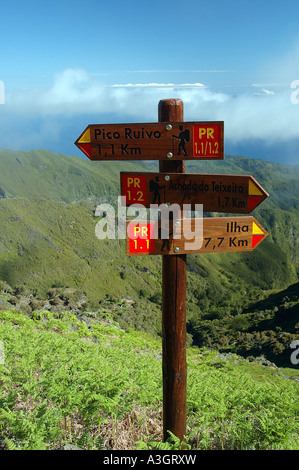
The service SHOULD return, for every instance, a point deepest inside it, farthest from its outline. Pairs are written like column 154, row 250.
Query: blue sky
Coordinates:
column 65, row 64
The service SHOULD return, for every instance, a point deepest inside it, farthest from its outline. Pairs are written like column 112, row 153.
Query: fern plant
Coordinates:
column 172, row 443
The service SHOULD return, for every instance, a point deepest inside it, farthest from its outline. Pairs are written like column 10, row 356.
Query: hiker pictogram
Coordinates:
column 166, row 238
column 183, row 137
column 155, row 188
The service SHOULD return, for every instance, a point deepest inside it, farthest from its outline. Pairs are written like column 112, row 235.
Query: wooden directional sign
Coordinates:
column 153, row 141
column 218, row 193
column 210, row 235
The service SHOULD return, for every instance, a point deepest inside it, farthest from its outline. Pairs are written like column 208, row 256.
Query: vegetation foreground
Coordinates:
column 95, row 385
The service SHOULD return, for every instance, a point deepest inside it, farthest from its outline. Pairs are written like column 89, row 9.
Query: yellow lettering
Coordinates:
column 202, row 132
column 210, row 132
column 136, row 183
column 133, row 181
column 136, row 230
column 144, row 231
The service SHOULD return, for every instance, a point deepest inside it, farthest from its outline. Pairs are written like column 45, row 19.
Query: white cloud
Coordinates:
column 159, row 85
column 259, row 112
column 264, row 91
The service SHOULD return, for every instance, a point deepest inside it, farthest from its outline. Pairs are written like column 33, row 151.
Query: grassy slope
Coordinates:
column 100, row 387
column 43, row 174
column 48, row 242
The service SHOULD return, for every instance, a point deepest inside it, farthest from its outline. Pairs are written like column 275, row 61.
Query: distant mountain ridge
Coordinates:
column 41, row 173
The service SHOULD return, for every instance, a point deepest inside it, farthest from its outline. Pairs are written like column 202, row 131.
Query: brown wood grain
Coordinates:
column 205, row 235
column 154, row 141
column 217, row 193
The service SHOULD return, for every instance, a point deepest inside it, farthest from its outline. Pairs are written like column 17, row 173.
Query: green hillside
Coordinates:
column 96, row 386
column 47, row 240
column 267, row 327
column 43, row 174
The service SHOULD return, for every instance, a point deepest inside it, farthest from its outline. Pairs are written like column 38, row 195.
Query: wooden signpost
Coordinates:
column 218, row 193
column 172, row 141
column 215, row 235
column 153, row 141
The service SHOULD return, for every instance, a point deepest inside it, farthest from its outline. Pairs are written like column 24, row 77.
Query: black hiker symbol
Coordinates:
column 155, row 188
column 183, row 137
column 165, row 243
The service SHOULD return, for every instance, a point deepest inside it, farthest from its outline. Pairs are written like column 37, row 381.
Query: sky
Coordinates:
column 66, row 64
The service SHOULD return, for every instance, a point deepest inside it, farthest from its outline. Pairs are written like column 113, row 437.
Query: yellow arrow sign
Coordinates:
column 207, row 235
column 218, row 193
column 153, row 141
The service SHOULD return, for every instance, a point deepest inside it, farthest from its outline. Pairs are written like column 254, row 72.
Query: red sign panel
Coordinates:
column 134, row 188
column 141, row 238
column 207, row 141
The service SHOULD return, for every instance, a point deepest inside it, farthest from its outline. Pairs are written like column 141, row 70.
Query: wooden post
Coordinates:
column 173, row 309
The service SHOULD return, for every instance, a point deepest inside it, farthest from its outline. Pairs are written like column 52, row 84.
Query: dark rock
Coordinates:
column 69, row 447
column 3, row 445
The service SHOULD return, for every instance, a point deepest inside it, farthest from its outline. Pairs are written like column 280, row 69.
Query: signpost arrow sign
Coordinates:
column 218, row 193
column 153, row 141
column 205, row 235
